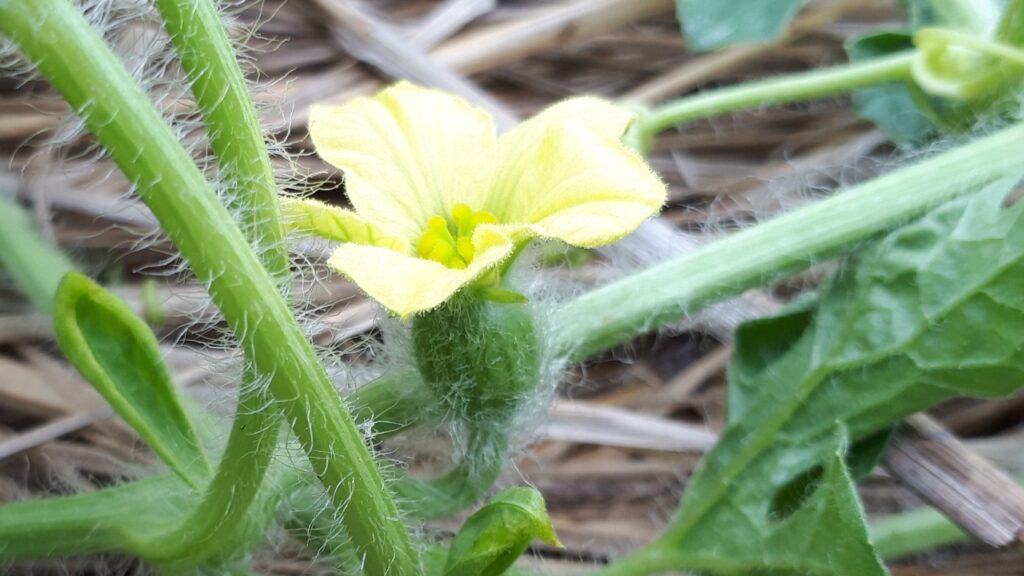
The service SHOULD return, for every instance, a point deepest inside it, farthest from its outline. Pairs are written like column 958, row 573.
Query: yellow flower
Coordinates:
column 442, row 202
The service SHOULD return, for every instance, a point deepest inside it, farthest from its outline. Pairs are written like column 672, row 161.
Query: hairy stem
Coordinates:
column 74, row 58
column 237, row 140
column 234, row 130
column 466, row 483
column 617, row 312
column 777, row 90
column 110, row 520
column 131, row 517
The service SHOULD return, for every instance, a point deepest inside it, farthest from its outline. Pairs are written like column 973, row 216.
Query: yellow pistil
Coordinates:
column 450, row 241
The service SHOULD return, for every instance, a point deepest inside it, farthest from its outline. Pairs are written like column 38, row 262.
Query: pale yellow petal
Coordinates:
column 581, row 185
column 516, row 148
column 315, row 218
column 407, row 153
column 406, row 285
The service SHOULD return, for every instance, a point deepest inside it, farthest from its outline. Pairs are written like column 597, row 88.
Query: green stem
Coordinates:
column 914, row 531
column 114, row 519
column 233, row 127
column 139, row 516
column 616, row 313
column 224, row 513
column 393, row 403
column 662, row 559
column 898, row 535
column 223, row 98
column 466, row 483
column 36, row 266
column 74, row 58
column 777, row 90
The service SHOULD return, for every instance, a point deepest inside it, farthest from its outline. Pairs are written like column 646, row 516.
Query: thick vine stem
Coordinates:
column 234, row 130
column 617, row 312
column 131, row 517
column 113, row 519
column 74, row 58
column 777, row 90
column 220, row 91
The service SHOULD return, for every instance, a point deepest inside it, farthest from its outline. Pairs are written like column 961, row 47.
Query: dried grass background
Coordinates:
column 628, row 428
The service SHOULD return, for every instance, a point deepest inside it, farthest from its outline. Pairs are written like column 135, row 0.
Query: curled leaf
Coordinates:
column 496, row 535
column 963, row 67
column 118, row 354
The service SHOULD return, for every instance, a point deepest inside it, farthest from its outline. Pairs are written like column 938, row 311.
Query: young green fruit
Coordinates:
column 479, row 358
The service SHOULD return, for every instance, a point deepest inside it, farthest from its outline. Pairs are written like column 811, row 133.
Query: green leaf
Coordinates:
column 895, row 107
column 1011, row 25
column 759, row 343
column 712, row 24
column 931, row 311
column 119, row 355
column 920, row 13
column 974, row 16
column 829, row 502
column 863, row 456
column 496, row 535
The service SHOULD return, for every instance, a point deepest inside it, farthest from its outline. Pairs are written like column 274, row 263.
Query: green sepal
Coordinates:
column 496, row 535
column 118, row 354
column 501, row 295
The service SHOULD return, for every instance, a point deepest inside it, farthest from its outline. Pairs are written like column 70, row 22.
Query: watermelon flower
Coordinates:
column 442, row 202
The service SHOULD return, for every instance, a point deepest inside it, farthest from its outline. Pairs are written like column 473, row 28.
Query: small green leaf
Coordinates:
column 119, row 355
column 896, row 108
column 713, row 24
column 496, row 535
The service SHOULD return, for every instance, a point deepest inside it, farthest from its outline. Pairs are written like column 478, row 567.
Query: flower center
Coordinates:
column 450, row 240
